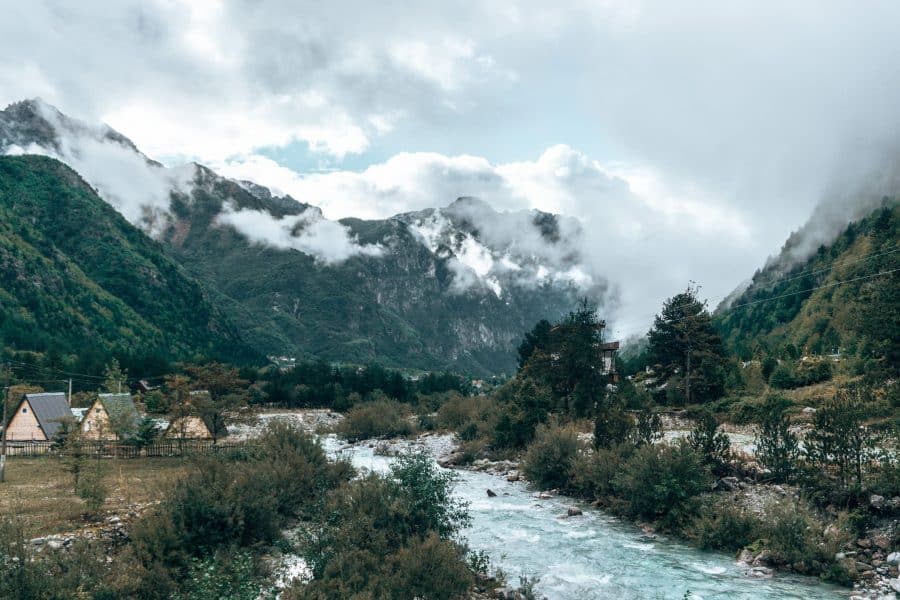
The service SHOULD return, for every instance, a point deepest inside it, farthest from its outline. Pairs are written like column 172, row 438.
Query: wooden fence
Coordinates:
column 110, row 449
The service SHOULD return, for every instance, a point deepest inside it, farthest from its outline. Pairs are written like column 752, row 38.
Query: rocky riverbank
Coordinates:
column 871, row 562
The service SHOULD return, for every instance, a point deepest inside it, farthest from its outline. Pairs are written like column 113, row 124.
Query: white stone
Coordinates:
column 894, row 558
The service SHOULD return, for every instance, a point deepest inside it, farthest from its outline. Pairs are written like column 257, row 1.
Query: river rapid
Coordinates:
column 593, row 556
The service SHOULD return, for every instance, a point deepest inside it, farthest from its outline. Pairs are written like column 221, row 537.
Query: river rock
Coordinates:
column 895, row 584
column 729, row 484
column 876, row 501
column 760, row 572
column 893, row 558
column 809, row 410
column 881, row 541
column 864, row 543
column 491, row 493
column 574, row 511
column 512, row 476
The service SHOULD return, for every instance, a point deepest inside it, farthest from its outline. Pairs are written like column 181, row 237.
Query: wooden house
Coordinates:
column 608, row 352
column 188, row 428
column 109, row 417
column 38, row 417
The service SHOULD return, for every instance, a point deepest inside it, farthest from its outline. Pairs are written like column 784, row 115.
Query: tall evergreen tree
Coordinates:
column 569, row 361
column 683, row 341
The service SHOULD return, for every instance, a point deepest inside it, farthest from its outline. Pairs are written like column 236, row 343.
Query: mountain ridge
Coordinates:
column 449, row 287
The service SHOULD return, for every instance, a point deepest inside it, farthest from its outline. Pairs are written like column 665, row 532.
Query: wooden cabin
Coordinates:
column 109, row 417
column 38, row 417
column 188, row 428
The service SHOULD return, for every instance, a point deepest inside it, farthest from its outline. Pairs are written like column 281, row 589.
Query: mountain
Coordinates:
column 843, row 296
column 77, row 278
column 450, row 287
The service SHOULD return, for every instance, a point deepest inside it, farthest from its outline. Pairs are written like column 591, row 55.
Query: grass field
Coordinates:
column 39, row 493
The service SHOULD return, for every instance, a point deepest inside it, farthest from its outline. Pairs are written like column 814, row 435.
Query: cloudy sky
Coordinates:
column 690, row 138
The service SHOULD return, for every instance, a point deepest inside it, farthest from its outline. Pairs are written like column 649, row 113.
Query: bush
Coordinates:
column 713, row 445
column 470, row 451
column 591, row 474
column 549, row 458
column 375, row 419
column 430, row 567
column 777, row 447
column 459, row 411
column 390, row 537
column 725, row 526
column 92, row 489
column 661, row 481
column 222, row 575
column 523, row 405
column 783, row 377
column 796, row 537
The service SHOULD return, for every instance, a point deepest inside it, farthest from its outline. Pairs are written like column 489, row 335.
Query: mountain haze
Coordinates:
column 450, row 287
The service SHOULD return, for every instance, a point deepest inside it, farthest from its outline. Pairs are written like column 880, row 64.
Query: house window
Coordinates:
column 24, row 410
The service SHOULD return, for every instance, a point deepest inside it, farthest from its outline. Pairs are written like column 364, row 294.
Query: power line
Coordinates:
column 828, row 268
column 827, row 285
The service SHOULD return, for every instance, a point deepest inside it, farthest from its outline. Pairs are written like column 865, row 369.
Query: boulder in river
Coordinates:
column 491, row 493
column 574, row 511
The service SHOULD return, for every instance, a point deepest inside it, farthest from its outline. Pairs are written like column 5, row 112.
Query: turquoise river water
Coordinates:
column 596, row 556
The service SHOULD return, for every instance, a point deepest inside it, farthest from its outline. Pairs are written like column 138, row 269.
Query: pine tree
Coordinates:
column 684, row 341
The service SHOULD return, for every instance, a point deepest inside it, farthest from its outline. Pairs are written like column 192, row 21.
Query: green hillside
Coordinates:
column 77, row 278
column 846, row 297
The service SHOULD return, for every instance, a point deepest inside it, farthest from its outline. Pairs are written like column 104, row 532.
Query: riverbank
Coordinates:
column 869, row 560
column 588, row 555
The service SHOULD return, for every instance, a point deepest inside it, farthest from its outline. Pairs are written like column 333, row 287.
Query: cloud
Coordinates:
column 704, row 136
column 328, row 241
column 138, row 188
column 204, row 80
column 635, row 228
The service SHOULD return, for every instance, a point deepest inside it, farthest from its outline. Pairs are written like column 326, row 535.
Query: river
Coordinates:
column 594, row 556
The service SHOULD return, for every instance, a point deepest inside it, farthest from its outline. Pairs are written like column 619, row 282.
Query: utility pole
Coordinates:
column 70, row 393
column 3, row 435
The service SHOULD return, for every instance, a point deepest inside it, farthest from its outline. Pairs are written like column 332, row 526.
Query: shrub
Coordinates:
column 796, row 537
column 431, row 568
column 92, row 489
column 375, row 419
column 725, row 526
column 777, row 447
column 470, row 451
column 390, row 537
column 549, row 458
column 459, row 411
column 713, row 445
column 591, row 474
column 612, row 425
column 222, row 575
column 744, row 410
column 813, row 371
column 648, row 428
column 661, row 480
column 783, row 377
column 523, row 405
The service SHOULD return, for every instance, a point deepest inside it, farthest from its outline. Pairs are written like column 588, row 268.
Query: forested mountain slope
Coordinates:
column 845, row 297
column 76, row 277
column 450, row 287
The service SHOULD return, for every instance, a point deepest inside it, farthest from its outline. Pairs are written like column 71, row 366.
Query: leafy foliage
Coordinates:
column 93, row 276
